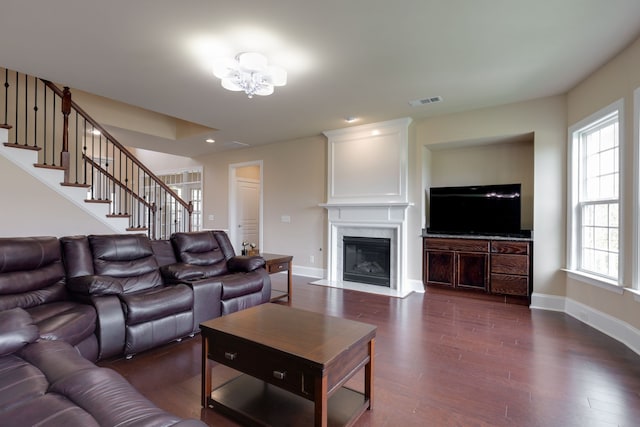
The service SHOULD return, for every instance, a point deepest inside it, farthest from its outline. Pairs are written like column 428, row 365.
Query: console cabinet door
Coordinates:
column 439, row 268
column 472, row 269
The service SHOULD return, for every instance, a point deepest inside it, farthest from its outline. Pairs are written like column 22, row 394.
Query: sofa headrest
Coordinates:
column 16, row 330
column 120, row 247
column 28, row 253
column 197, row 248
column 30, row 267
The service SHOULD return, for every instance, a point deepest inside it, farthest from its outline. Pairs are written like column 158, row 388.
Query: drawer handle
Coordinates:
column 280, row 267
column 279, row 374
column 230, row 356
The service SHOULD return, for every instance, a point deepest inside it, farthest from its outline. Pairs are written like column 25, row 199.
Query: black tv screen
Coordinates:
column 477, row 209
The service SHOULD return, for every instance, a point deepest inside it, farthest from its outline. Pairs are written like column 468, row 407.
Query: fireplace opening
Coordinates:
column 367, row 260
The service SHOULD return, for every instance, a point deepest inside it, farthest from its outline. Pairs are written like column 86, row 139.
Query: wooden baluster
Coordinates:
column 6, row 125
column 66, row 110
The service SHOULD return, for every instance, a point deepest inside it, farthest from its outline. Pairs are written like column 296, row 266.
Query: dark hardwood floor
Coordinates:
column 443, row 359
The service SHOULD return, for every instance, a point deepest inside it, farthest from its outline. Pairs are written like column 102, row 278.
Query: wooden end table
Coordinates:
column 276, row 263
column 294, row 363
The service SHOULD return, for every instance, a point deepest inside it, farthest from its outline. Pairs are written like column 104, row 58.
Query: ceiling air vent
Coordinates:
column 235, row 144
column 425, row 101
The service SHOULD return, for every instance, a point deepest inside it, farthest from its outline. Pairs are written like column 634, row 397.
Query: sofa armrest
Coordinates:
column 207, row 294
column 95, row 285
column 181, row 272
column 16, row 330
column 111, row 328
column 245, row 263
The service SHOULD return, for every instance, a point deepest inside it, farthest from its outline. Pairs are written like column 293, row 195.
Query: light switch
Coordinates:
column 285, row 218
column 210, row 217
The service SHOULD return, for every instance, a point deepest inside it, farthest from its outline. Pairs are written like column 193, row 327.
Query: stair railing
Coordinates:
column 40, row 116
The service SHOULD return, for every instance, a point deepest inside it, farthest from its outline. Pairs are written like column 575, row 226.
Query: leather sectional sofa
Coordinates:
column 71, row 301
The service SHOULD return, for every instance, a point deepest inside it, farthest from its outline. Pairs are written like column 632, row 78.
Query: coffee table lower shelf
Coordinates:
column 253, row 402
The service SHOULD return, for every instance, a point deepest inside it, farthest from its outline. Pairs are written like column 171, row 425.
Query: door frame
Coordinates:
column 233, row 186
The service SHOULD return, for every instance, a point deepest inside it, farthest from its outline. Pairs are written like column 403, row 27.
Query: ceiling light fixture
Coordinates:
column 210, row 140
column 249, row 72
column 350, row 119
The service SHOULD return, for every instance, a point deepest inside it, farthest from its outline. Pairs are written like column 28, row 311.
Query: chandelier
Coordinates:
column 249, row 72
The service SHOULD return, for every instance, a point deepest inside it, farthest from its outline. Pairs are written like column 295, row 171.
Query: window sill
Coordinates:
column 635, row 292
column 600, row 282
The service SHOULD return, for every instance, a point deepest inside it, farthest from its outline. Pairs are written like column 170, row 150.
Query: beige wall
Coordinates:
column 486, row 164
column 293, row 184
column 618, row 79
column 546, row 120
column 30, row 208
column 161, row 163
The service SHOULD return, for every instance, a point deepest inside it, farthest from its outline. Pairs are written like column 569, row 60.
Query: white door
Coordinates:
column 248, row 213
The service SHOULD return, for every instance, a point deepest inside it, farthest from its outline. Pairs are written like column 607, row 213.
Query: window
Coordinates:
column 595, row 195
column 188, row 186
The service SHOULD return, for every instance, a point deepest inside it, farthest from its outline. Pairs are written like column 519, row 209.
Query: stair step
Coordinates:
column 24, row 147
column 6, row 126
column 138, row 229
column 43, row 166
column 75, row 184
column 118, row 216
column 107, row 201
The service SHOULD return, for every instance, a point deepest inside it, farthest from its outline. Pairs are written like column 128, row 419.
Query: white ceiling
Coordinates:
column 364, row 58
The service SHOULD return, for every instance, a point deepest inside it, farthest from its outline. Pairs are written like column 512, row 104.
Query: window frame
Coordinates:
column 574, row 183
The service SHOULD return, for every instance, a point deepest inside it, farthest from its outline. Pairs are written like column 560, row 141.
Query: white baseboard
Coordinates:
column 313, row 272
column 603, row 322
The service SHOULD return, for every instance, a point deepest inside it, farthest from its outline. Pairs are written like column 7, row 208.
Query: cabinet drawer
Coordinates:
column 510, row 264
column 285, row 371
column 510, row 285
column 470, row 245
column 276, row 267
column 506, row 247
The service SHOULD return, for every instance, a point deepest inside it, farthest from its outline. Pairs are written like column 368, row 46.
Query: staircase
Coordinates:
column 44, row 132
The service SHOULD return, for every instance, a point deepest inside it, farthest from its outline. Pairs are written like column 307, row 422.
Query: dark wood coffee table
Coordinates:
column 295, row 366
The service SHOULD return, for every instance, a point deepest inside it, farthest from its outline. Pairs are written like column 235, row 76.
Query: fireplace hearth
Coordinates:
column 367, row 260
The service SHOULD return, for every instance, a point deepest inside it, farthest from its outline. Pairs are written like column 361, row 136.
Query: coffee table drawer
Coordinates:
column 268, row 365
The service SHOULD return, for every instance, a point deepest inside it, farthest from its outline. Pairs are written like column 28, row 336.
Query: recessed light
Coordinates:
column 350, row 119
column 210, row 140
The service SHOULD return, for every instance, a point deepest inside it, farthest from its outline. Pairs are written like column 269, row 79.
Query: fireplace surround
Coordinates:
column 367, row 197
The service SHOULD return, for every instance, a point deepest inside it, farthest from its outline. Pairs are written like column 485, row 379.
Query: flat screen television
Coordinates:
column 476, row 209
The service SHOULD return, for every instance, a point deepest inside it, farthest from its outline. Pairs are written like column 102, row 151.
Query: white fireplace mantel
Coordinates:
column 367, row 196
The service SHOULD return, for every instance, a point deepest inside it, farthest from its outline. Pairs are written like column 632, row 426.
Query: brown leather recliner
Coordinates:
column 120, row 275
column 210, row 255
column 32, row 277
column 46, row 382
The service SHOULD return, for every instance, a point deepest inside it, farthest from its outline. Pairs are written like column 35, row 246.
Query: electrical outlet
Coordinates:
column 285, row 218
column 210, row 217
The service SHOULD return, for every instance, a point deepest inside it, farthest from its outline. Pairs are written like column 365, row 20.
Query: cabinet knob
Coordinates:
column 279, row 374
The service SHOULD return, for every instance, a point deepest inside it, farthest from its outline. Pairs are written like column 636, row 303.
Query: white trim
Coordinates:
column 603, row 322
column 312, row 272
column 599, row 282
column 635, row 200
column 573, row 182
column 547, row 302
column 233, row 180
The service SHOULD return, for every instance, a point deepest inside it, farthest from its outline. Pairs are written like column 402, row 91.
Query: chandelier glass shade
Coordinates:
column 249, row 72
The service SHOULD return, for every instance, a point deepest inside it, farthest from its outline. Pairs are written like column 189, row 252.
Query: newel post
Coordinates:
column 66, row 110
column 190, row 210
